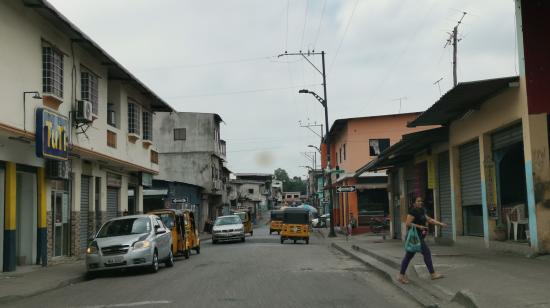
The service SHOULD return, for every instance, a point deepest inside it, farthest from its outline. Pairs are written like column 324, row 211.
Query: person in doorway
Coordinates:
column 417, row 218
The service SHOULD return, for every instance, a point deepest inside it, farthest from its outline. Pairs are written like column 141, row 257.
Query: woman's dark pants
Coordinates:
column 426, row 253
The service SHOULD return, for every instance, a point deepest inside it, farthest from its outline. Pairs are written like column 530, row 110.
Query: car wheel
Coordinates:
column 279, row 232
column 91, row 275
column 294, row 241
column 307, row 241
column 282, row 241
column 243, row 239
column 170, row 261
column 270, row 231
column 186, row 253
column 198, row 250
column 214, row 241
column 155, row 263
column 251, row 233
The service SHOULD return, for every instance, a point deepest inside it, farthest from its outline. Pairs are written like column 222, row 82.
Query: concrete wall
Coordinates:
column 191, row 168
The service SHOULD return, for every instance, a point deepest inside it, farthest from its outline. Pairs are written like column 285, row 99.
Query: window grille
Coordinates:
column 133, row 118
column 180, row 134
column 52, row 72
column 147, row 126
column 89, row 89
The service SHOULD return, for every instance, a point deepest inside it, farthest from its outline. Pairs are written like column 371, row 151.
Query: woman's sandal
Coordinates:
column 403, row 279
column 437, row 276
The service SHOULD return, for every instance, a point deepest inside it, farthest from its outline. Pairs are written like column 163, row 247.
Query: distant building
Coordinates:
column 292, row 198
column 192, row 154
column 250, row 191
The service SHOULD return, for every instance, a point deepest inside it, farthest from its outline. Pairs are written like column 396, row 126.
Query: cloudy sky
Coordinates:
column 221, row 56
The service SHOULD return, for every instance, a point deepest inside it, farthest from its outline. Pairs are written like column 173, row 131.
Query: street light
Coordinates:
column 316, row 148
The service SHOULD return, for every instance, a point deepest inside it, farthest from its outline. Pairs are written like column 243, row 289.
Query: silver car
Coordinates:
column 228, row 228
column 130, row 241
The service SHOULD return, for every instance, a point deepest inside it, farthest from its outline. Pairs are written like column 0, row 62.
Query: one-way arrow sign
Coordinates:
column 345, row 189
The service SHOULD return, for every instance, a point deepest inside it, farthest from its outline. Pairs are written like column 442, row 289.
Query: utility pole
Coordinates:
column 400, row 101
column 309, row 126
column 323, row 101
column 453, row 40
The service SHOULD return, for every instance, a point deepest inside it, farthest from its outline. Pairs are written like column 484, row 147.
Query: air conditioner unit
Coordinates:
column 58, row 170
column 83, row 112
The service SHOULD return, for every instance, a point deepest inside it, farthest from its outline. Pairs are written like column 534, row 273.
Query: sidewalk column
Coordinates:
column 42, row 256
column 485, row 156
column 10, row 211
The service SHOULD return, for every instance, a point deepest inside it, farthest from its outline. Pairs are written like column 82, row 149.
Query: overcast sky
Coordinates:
column 221, row 57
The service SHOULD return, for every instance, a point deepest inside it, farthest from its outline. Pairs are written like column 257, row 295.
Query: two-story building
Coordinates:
column 76, row 138
column 251, row 191
column 354, row 142
column 192, row 153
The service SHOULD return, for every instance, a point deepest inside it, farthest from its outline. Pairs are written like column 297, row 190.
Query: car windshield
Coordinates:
column 230, row 220
column 121, row 227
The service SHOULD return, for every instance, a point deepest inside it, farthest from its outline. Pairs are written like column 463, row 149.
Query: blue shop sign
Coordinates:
column 52, row 139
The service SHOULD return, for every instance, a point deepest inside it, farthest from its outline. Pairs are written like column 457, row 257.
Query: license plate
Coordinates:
column 115, row 260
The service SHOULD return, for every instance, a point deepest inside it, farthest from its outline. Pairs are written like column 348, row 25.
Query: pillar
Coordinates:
column 42, row 255
column 10, row 211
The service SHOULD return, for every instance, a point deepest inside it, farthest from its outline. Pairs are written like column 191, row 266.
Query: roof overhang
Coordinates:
column 405, row 149
column 463, row 98
column 115, row 70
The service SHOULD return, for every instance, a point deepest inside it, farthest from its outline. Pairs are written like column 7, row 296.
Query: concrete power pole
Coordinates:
column 453, row 40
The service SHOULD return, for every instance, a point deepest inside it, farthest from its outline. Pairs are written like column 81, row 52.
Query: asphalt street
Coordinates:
column 258, row 273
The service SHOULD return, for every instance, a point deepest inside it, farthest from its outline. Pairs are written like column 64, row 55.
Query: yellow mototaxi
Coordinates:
column 276, row 224
column 295, row 225
column 247, row 221
column 181, row 224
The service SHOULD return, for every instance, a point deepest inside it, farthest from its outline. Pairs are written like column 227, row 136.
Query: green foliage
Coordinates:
column 294, row 184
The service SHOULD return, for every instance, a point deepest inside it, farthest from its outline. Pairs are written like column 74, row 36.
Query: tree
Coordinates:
column 294, row 184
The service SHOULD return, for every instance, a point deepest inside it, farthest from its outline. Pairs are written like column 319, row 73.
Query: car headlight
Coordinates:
column 92, row 248
column 142, row 245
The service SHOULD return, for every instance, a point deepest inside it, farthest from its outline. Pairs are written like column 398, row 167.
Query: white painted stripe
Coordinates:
column 135, row 304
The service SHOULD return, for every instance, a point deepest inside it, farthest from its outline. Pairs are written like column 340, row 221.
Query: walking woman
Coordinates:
column 417, row 218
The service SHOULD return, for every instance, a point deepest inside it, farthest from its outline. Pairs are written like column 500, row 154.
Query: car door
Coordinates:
column 163, row 239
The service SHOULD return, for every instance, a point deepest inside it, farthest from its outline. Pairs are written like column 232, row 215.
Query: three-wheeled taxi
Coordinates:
column 276, row 224
column 295, row 225
column 184, row 233
column 247, row 221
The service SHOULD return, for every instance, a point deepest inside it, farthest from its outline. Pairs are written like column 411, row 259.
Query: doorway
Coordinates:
column 26, row 218
column 61, row 218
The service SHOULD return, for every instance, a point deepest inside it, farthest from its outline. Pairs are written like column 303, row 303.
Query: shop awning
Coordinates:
column 405, row 149
column 464, row 97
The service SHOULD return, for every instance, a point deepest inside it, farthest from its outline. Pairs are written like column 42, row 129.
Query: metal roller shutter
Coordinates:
column 507, row 137
column 112, row 202
column 444, row 179
column 84, row 210
column 470, row 174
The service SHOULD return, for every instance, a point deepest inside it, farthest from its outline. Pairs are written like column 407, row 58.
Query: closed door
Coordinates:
column 444, row 180
column 84, row 211
column 470, row 188
column 112, row 202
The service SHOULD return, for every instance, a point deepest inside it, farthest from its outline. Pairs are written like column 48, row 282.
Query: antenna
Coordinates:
column 453, row 40
column 400, row 99
column 438, row 86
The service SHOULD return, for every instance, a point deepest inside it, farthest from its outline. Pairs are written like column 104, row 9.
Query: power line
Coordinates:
column 344, row 35
column 187, row 66
column 240, row 92
column 305, row 23
column 320, row 23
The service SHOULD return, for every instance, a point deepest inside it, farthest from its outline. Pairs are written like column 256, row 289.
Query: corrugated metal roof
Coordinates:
column 462, row 98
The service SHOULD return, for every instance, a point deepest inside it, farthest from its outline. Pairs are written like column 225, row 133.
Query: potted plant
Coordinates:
column 499, row 234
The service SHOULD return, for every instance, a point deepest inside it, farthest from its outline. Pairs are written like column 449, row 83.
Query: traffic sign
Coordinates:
column 345, row 189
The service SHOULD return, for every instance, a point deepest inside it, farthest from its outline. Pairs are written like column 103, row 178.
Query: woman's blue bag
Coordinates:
column 412, row 243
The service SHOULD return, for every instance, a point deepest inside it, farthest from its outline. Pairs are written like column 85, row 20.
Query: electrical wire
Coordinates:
column 190, row 66
column 320, row 23
column 240, row 92
column 344, row 35
column 305, row 24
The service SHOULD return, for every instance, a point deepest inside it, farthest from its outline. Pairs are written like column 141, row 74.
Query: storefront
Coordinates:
column 470, row 189
column 444, row 194
column 114, row 183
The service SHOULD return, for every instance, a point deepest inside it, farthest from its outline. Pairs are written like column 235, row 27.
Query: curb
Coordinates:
column 12, row 298
column 410, row 290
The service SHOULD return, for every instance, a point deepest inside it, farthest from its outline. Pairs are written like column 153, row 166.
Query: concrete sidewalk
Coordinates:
column 35, row 279
column 474, row 277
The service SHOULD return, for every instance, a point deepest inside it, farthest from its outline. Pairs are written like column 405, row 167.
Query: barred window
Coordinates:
column 180, row 134
column 88, row 89
column 147, row 125
column 52, row 72
column 133, row 117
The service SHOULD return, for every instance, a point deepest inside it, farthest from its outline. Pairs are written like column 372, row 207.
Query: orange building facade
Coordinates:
column 355, row 142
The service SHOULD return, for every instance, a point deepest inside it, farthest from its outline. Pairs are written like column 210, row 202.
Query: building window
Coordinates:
column 111, row 114
column 180, row 134
column 251, row 191
column 344, row 151
column 377, row 146
column 111, row 139
column 133, row 118
column 52, row 72
column 154, row 157
column 88, row 89
column 340, row 154
column 147, row 125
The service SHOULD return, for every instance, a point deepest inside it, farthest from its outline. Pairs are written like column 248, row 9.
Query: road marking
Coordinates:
column 135, row 304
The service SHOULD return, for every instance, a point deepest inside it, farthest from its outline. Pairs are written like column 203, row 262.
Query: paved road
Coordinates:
column 258, row 273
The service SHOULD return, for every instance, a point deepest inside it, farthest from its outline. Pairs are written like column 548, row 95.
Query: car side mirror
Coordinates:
column 160, row 231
